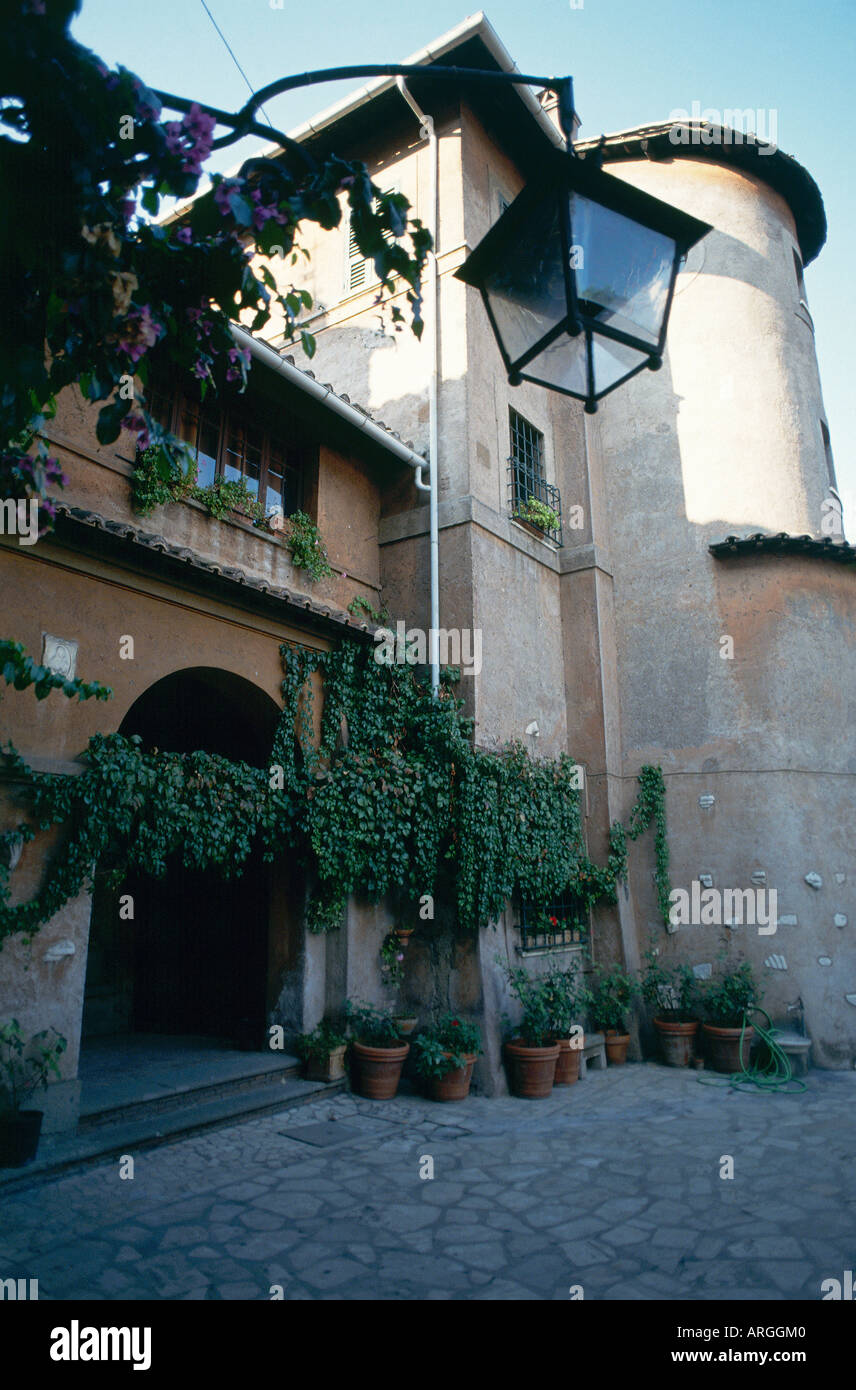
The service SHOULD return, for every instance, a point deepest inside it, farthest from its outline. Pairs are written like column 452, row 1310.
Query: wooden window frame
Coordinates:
column 234, row 418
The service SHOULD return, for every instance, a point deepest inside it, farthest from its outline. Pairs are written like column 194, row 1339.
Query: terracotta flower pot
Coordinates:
column 378, row 1070
column 531, row 1069
column 677, row 1041
column 455, row 1085
column 568, row 1062
column 723, row 1047
column 19, row 1137
column 616, row 1047
column 328, row 1068
column 406, row 1023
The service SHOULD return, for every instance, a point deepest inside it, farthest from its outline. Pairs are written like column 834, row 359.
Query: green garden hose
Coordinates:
column 777, row 1075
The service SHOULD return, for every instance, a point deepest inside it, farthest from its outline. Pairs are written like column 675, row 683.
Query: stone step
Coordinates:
column 131, row 1136
column 259, row 1073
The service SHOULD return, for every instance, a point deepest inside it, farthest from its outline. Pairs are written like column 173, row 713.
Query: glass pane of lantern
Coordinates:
column 562, row 365
column 526, row 290
column 612, row 362
column 623, row 269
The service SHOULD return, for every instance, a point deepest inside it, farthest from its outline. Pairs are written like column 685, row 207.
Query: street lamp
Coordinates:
column 577, row 278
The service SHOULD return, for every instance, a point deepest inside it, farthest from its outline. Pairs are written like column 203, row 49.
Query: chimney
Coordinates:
column 549, row 103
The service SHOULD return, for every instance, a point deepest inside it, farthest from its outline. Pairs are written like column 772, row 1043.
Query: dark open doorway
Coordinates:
column 193, row 960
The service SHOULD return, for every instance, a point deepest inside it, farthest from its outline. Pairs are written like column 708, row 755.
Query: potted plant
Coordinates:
column 532, row 1052
column 568, row 998
column 378, row 1050
column 611, row 997
column 673, row 992
column 445, row 1055
column 323, row 1051
column 728, row 1036
column 25, row 1066
column 538, row 515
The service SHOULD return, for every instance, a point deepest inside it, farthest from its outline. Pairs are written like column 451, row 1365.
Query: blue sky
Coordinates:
column 631, row 62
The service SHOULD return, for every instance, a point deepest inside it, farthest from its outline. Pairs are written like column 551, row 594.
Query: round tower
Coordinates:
column 736, row 659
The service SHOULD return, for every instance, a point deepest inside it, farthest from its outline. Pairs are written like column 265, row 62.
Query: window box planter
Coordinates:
column 327, row 1068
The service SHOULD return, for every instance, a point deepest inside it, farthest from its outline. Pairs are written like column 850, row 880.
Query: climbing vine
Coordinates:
column 198, row 809
column 150, row 489
column 21, row 671
column 392, row 795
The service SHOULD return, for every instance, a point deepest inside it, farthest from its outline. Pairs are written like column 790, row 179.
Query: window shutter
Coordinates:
column 360, row 268
column 356, row 263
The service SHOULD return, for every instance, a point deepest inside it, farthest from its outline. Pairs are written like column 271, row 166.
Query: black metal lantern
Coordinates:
column 577, row 277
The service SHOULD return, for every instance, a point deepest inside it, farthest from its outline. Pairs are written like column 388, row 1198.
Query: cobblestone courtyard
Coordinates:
column 612, row 1184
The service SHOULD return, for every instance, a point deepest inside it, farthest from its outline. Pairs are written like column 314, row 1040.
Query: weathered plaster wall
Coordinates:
column 727, row 439
column 344, row 493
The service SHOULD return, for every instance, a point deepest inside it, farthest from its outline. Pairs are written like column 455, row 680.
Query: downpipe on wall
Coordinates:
column 427, row 132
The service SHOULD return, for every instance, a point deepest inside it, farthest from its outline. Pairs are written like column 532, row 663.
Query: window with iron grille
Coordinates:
column 563, row 923
column 531, row 498
column 231, row 442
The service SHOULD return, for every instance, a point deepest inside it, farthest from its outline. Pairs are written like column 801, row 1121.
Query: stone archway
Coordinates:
column 195, row 960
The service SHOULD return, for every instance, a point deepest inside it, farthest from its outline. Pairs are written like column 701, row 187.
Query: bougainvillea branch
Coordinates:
column 94, row 293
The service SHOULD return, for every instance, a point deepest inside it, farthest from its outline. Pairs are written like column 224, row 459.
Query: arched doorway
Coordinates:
column 192, row 962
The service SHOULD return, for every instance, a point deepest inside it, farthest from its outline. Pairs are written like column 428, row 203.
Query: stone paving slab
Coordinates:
column 614, row 1185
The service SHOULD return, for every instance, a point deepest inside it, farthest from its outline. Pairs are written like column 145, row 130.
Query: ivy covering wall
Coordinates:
column 393, row 797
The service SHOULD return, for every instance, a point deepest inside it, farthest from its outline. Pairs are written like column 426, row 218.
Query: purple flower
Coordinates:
column 141, row 332
column 138, row 426
column 222, row 194
column 191, row 137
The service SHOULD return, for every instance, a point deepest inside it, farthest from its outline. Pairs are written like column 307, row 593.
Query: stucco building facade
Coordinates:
column 644, row 633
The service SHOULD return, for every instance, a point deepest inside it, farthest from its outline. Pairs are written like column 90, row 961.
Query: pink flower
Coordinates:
column 191, row 137
column 222, row 194
column 138, row 426
column 141, row 332
column 263, row 211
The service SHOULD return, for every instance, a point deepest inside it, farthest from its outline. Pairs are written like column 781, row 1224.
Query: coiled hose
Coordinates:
column 776, row 1076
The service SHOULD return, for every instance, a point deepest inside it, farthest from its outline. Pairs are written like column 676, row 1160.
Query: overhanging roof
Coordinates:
column 475, row 44
column 784, row 544
column 121, row 540
column 746, row 152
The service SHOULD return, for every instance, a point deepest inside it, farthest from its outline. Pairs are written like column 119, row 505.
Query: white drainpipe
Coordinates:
column 427, row 131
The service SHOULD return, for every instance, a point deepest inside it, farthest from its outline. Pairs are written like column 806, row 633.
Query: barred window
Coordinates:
column 532, row 499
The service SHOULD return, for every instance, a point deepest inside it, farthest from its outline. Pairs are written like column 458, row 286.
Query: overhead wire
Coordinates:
column 231, row 53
